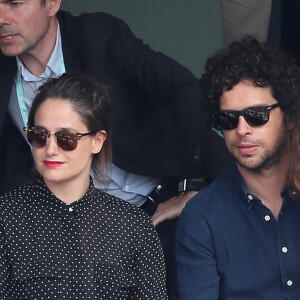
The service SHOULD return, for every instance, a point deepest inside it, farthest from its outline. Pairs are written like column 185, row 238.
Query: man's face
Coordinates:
column 254, row 148
column 24, row 26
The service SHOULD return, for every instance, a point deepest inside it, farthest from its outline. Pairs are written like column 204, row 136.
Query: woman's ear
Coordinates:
column 98, row 141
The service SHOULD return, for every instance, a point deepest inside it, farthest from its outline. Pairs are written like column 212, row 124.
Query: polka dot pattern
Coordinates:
column 99, row 247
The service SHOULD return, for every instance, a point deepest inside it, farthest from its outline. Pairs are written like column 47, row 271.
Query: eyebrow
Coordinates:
column 59, row 129
column 10, row 1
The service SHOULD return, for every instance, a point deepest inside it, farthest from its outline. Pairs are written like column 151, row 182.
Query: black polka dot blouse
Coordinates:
column 99, row 247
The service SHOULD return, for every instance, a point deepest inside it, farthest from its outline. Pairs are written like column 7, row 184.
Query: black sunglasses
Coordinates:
column 254, row 116
column 66, row 139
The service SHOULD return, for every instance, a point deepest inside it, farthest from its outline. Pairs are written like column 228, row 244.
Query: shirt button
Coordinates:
column 284, row 249
column 71, row 209
column 250, row 197
column 267, row 218
column 127, row 188
column 289, row 282
column 196, row 157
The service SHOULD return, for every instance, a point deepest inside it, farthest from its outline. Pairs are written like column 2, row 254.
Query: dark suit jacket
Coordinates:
column 159, row 126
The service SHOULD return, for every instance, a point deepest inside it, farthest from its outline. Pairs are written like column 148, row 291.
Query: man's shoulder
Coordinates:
column 102, row 19
column 221, row 193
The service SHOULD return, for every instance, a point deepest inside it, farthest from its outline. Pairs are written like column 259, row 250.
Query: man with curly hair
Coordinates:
column 239, row 237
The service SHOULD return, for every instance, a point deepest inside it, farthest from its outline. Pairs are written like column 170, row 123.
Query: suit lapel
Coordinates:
column 70, row 52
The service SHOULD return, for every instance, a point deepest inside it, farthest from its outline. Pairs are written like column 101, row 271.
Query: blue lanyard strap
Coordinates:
column 20, row 92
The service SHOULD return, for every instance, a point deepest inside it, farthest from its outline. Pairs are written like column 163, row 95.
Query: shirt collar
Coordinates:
column 250, row 198
column 53, row 68
column 57, row 207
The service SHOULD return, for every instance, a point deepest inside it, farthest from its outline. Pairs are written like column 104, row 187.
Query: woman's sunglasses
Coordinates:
column 254, row 116
column 66, row 139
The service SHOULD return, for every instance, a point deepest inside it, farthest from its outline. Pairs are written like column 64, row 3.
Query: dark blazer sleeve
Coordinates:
column 173, row 85
column 169, row 83
column 111, row 52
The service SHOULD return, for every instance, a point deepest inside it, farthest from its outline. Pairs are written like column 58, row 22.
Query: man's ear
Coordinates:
column 98, row 141
column 53, row 6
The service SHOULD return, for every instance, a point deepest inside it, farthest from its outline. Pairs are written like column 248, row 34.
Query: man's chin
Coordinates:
column 249, row 164
column 10, row 51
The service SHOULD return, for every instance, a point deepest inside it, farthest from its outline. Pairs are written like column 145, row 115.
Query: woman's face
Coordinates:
column 57, row 165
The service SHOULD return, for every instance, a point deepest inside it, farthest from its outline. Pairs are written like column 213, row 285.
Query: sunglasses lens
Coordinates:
column 66, row 140
column 256, row 116
column 37, row 138
column 227, row 120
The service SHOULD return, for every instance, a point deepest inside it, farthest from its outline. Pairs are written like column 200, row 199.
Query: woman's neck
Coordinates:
column 69, row 191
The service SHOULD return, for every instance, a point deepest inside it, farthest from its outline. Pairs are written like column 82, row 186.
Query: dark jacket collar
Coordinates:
column 71, row 48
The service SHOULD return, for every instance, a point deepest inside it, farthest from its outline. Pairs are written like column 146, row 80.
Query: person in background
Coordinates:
column 60, row 236
column 245, row 17
column 239, row 237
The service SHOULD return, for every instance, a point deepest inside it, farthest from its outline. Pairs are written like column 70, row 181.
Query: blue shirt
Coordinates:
column 130, row 187
column 230, row 246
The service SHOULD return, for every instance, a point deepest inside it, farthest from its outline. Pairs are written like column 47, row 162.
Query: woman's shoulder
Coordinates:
column 121, row 208
column 14, row 199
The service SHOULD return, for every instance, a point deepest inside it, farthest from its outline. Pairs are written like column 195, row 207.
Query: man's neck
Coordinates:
column 36, row 59
column 267, row 184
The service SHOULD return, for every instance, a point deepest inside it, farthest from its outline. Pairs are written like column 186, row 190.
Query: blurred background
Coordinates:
column 191, row 30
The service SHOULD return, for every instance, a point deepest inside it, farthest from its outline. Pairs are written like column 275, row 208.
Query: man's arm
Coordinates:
column 197, row 276
column 170, row 84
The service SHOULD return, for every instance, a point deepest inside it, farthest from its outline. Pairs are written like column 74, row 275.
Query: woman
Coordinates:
column 61, row 238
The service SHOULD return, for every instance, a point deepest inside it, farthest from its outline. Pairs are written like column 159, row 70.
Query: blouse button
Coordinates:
column 267, row 218
column 284, row 249
column 289, row 282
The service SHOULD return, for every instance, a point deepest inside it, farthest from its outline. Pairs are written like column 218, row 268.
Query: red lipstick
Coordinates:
column 52, row 164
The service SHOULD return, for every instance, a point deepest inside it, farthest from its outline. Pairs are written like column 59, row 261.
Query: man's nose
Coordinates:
column 243, row 128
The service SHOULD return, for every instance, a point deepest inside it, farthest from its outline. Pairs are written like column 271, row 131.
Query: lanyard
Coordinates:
column 20, row 92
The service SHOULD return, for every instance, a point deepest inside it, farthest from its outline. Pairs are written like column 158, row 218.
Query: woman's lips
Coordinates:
column 53, row 164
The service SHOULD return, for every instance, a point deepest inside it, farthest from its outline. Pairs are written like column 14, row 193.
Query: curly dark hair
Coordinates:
column 249, row 59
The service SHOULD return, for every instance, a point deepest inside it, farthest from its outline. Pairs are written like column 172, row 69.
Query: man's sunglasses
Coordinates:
column 254, row 116
column 66, row 139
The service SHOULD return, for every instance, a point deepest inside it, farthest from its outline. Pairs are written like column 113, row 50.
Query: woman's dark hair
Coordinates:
column 257, row 62
column 92, row 103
